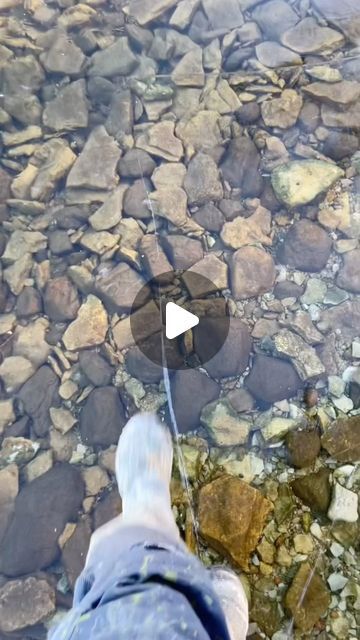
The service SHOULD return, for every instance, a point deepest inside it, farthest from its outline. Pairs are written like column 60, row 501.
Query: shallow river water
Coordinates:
column 141, row 139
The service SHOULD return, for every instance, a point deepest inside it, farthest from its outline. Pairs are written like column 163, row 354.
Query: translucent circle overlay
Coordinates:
column 192, row 292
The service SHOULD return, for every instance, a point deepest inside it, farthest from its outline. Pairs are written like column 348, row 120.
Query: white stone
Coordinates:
column 336, row 549
column 316, row 530
column 336, row 386
column 344, row 505
column 337, row 581
column 355, row 349
column 344, row 404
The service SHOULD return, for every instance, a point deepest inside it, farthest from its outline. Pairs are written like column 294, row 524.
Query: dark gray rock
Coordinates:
column 59, row 243
column 29, row 303
column 240, row 166
column 42, row 509
column 287, row 289
column 121, row 117
column 119, row 287
column 339, row 145
column 116, row 60
column 72, row 217
column 209, row 217
column 275, row 17
column 96, row 368
column 233, row 357
column 182, row 252
column 108, row 507
column 61, row 300
column 248, row 113
column 136, row 198
column 100, row 90
column 102, row 417
column 75, row 550
column 307, row 246
column 69, row 109
column 191, row 391
column 272, row 379
column 38, row 394
column 135, row 164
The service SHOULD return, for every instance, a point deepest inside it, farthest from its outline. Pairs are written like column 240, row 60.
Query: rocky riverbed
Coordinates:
column 142, row 136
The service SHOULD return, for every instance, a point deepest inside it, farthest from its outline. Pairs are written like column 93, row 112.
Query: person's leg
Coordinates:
column 144, row 460
column 143, row 466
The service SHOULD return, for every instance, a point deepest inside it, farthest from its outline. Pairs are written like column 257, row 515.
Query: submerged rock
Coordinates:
column 273, row 55
column 63, row 56
column 304, row 357
column 160, row 140
column 119, row 287
column 314, row 490
column 24, row 603
column 102, row 417
column 348, row 276
column 284, row 111
column 252, row 272
column 189, row 72
column 343, row 15
column 89, row 328
column 22, row 553
column 200, row 388
column 233, row 356
column 303, row 448
column 307, row 36
column 95, row 168
column 232, row 516
column 241, row 166
column 38, row 394
column 61, row 300
column 202, row 182
column 308, row 598
column 306, row 247
column 342, row 439
column 275, row 17
column 272, row 379
column 298, row 182
column 69, row 109
column 225, row 426
column 116, row 60
column 145, row 11
column 339, row 93
column 247, row 231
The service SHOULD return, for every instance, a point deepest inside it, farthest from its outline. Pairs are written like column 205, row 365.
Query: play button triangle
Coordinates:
column 178, row 320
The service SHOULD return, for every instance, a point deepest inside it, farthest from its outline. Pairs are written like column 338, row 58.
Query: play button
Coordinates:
column 178, row 320
column 180, row 317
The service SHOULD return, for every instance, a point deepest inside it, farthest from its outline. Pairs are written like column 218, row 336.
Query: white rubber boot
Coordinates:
column 233, row 600
column 143, row 466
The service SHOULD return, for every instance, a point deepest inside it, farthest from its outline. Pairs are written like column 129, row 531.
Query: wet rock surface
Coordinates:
column 245, row 513
column 144, row 137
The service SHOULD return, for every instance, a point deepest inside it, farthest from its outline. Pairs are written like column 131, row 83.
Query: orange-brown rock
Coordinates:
column 232, row 516
column 308, row 598
column 342, row 439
